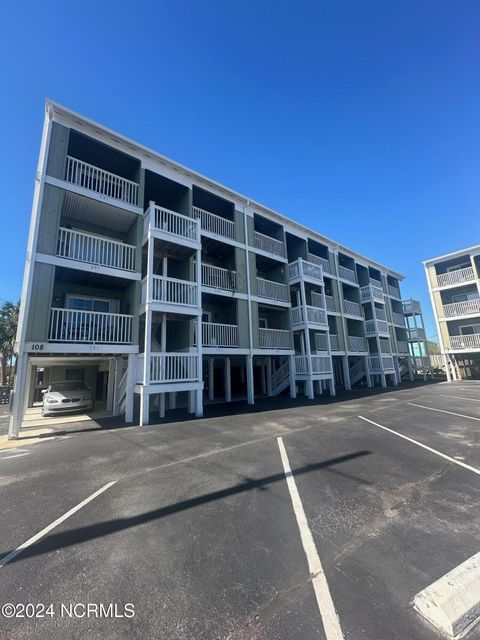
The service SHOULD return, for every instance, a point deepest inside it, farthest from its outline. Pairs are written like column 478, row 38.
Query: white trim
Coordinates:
column 87, row 266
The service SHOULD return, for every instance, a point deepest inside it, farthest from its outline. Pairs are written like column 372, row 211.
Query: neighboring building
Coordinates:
column 417, row 337
column 454, row 285
column 162, row 289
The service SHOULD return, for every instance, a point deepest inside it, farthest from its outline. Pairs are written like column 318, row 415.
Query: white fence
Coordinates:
column 274, row 339
column 214, row 224
column 218, row 277
column 465, row 342
column 455, row 277
column 352, row 308
column 398, row 318
column 321, row 342
column 380, row 363
column 356, row 343
column 465, row 308
column 402, row 346
column 173, row 223
column 171, row 367
column 370, row 291
column 268, row 244
column 100, row 181
column 320, row 364
column 394, row 292
column 272, row 290
column 171, row 290
column 323, row 262
column 315, row 315
column 89, row 327
column 334, row 342
column 215, row 334
column 85, row 247
column 347, row 274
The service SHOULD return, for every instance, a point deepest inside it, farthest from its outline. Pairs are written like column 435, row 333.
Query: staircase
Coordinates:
column 280, row 379
column 357, row 372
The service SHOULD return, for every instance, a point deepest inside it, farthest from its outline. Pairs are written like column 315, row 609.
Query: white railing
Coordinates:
column 402, row 346
column 394, row 292
column 171, row 367
column 387, row 362
column 317, row 299
column 274, row 339
column 370, row 291
column 215, row 334
column 416, row 333
column 173, row 223
column 357, row 371
column 171, row 290
column 455, row 277
column 315, row 315
column 281, row 374
column 334, row 342
column 356, row 343
column 321, row 342
column 86, row 247
column 272, row 290
column 301, row 268
column 381, row 314
column 329, row 301
column 380, row 363
column 347, row 274
column 352, row 308
column 468, row 307
column 89, row 327
column 376, row 326
column 218, row 277
column 320, row 364
column 214, row 224
column 398, row 318
column 323, row 262
column 268, row 244
column 465, row 342
column 411, row 306
column 100, row 181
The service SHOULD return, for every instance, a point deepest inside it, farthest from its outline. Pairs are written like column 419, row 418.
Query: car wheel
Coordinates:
column 44, row 415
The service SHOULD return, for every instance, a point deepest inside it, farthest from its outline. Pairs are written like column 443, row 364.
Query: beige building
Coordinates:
column 454, row 285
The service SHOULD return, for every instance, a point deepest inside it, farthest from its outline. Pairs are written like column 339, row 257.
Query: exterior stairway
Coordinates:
column 280, row 379
column 357, row 372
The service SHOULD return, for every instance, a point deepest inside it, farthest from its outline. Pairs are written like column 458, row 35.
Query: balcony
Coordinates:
column 329, row 302
column 466, row 308
column 347, row 274
column 89, row 327
column 374, row 327
column 357, row 344
column 314, row 316
column 411, row 307
column 171, row 291
column 303, row 269
column 320, row 365
column 101, row 182
column 219, row 278
column 216, row 225
column 465, row 342
column 380, row 364
column 95, row 250
column 269, row 245
column 394, row 292
column 371, row 292
column 170, row 225
column 416, row 333
column 322, row 262
column 402, row 347
column 352, row 308
column 169, row 368
column 334, row 343
column 274, row 339
column 398, row 318
column 215, row 334
column 272, row 290
column 321, row 342
column 455, row 277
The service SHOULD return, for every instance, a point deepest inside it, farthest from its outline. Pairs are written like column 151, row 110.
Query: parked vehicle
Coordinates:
column 66, row 396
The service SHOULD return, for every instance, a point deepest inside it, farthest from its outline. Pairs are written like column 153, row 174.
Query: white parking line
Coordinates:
column 460, row 415
column 331, row 623
column 40, row 534
column 15, row 455
column 444, row 395
column 424, row 446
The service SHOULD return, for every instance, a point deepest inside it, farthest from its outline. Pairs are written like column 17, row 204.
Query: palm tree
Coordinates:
column 8, row 329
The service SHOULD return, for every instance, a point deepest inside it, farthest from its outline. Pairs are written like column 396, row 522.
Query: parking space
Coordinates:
column 202, row 534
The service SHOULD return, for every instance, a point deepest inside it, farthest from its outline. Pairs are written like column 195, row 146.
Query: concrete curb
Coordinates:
column 452, row 603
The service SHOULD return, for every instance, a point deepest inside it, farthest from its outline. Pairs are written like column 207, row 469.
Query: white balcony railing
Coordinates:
column 381, row 314
column 171, row 291
column 272, row 290
column 380, row 363
column 465, row 342
column 269, row 244
column 301, row 268
column 394, row 292
column 456, row 277
column 376, row 326
column 398, row 318
column 100, row 181
column 402, row 346
column 334, row 342
column 274, row 339
column 357, row 344
column 315, row 315
column 416, row 333
column 320, row 364
column 89, row 327
column 352, row 308
column 347, row 274
column 86, row 247
column 411, row 307
column 371, row 292
column 329, row 302
column 466, row 308
column 321, row 342
column 214, row 224
column 170, row 367
column 218, row 277
column 215, row 334
column 323, row 262
column 172, row 223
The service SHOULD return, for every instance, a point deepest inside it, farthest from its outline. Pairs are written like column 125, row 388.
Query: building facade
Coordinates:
column 162, row 289
column 454, row 286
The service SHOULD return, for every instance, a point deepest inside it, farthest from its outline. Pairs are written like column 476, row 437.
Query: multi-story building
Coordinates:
column 454, row 285
column 417, row 338
column 162, row 289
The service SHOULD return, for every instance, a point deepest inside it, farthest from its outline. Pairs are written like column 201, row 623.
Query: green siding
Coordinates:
column 57, row 151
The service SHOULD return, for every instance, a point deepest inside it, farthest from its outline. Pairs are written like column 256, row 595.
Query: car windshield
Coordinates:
column 68, row 386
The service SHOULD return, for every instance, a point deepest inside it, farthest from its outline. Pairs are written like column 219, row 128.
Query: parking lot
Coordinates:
column 198, row 526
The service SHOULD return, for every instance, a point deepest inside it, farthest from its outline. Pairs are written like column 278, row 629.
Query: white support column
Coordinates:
column 331, row 385
column 131, row 379
column 161, row 405
column 144, row 397
column 16, row 414
column 410, row 369
column 198, row 394
column 309, row 383
column 144, row 407
column 211, row 378
column 291, row 369
column 116, row 386
column 198, row 399
column 250, row 387
column 396, row 377
column 447, row 367
column 28, row 384
column 346, row 374
column 228, row 380
column 383, row 379
column 368, row 375
column 191, row 402
column 172, row 400
column 269, row 377
column 110, row 384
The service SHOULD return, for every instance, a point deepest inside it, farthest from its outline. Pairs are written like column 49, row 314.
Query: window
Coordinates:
column 469, row 329
column 457, row 267
column 262, row 323
column 86, row 303
column 463, row 297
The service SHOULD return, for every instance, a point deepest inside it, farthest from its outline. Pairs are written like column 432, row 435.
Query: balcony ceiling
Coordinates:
column 86, row 279
column 91, row 211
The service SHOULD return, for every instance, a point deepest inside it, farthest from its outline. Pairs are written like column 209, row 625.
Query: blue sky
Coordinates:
column 359, row 119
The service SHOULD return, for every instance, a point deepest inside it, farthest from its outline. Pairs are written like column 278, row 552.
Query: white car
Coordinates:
column 66, row 396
